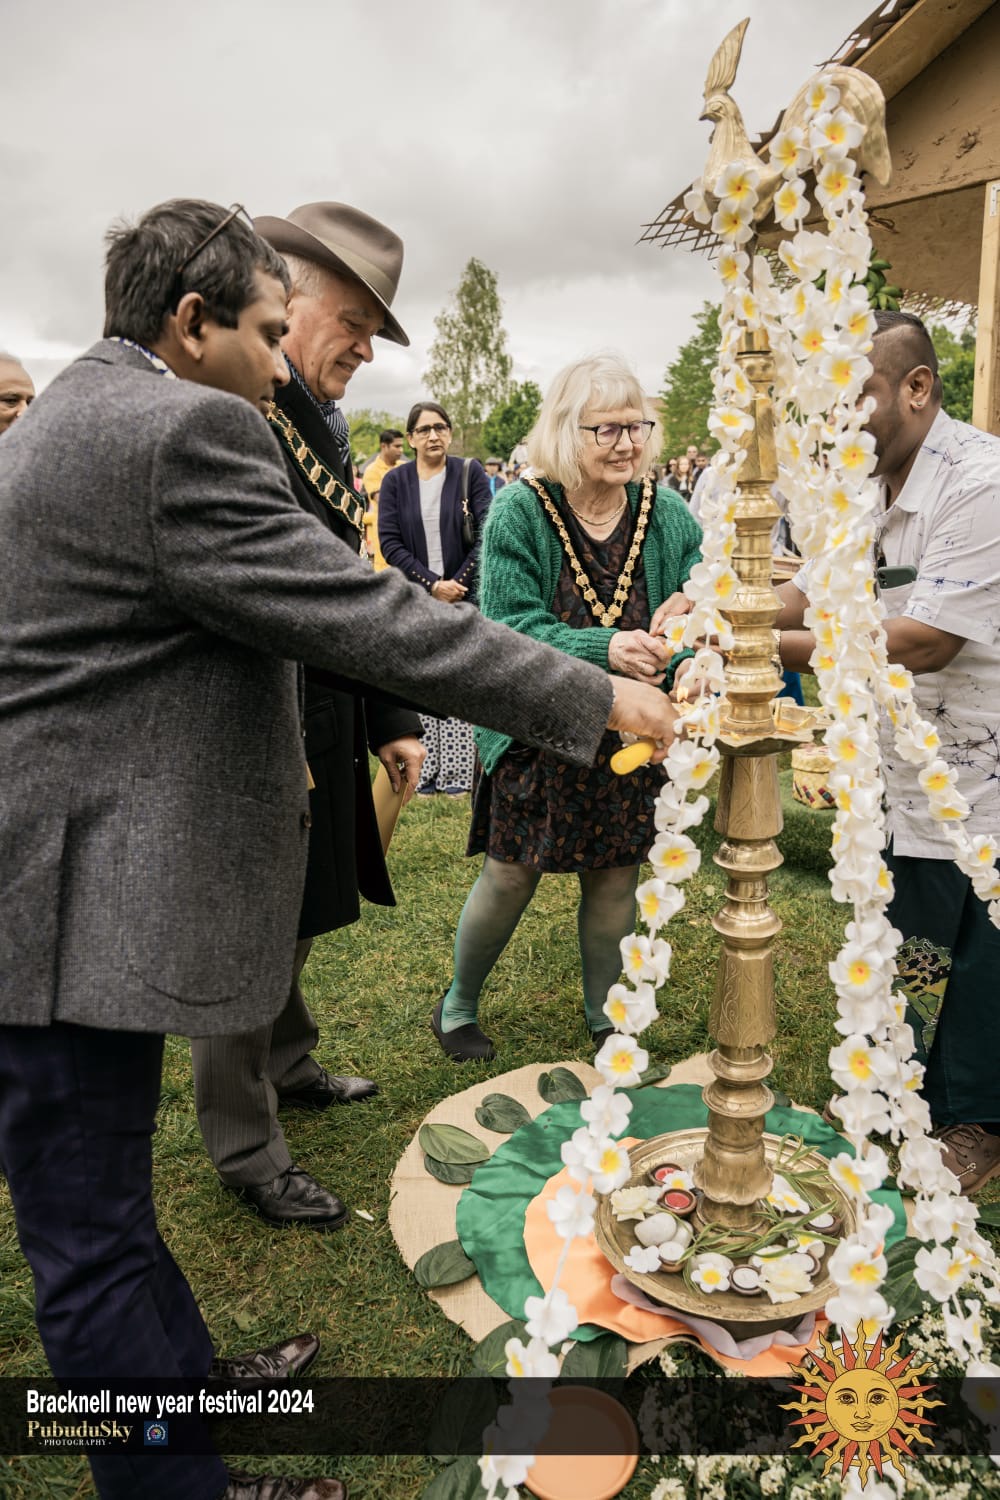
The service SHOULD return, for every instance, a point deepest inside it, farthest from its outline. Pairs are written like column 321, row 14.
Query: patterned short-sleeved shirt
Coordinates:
column 945, row 522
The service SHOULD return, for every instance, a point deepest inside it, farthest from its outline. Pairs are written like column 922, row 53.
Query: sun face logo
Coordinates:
column 862, row 1405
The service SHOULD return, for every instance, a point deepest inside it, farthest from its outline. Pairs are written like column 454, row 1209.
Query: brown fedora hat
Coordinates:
column 348, row 242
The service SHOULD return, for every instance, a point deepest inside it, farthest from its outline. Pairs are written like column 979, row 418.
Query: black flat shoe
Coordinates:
column 465, row 1043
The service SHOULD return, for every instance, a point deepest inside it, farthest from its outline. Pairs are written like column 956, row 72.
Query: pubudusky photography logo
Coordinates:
column 155, row 1434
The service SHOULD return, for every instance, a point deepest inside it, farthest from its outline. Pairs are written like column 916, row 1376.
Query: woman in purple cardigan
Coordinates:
column 420, row 529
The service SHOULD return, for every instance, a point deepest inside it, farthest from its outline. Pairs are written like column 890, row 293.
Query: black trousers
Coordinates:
column 77, row 1114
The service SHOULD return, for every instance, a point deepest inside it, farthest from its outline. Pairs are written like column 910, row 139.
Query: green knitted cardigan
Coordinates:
column 519, row 566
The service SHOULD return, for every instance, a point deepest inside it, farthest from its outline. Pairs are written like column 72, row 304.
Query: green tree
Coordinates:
column 957, row 366
column 365, row 425
column 510, row 422
column 686, row 398
column 469, row 370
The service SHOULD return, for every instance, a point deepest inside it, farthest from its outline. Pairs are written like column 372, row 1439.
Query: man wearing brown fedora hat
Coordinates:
column 345, row 269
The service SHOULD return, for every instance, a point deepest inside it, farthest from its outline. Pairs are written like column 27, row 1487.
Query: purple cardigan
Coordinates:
column 401, row 527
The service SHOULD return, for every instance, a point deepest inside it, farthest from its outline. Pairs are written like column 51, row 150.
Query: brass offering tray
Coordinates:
column 744, row 1317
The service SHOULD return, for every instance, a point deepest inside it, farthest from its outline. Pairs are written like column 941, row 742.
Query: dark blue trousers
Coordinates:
column 77, row 1115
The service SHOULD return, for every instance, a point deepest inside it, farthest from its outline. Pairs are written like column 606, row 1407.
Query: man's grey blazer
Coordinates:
column 158, row 584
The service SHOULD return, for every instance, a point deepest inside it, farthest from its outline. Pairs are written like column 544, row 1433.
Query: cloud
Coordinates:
column 538, row 137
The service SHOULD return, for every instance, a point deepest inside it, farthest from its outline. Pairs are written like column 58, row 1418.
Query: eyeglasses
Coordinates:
column 608, row 434
column 435, row 427
column 176, row 289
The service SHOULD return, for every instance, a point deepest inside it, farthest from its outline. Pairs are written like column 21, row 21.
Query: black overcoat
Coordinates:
column 345, row 853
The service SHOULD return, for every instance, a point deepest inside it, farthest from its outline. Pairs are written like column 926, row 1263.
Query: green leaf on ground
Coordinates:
column 601, row 1359
column 560, row 1085
column 465, row 1410
column 461, row 1480
column 452, row 1172
column 653, row 1075
column 488, row 1357
column 503, row 1114
column 452, row 1144
column 443, row 1266
column 989, row 1213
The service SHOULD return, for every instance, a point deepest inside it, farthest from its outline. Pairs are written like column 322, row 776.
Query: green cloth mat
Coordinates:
column 491, row 1210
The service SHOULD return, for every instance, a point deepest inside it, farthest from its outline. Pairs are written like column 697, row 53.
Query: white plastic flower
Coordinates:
column 859, row 1175
column 606, row 1112
column 691, row 765
column 643, row 1258
column 575, row 1154
column 634, row 1202
column 862, row 1113
column 732, row 222
column 532, row 1358
column 785, row 1277
column 696, row 203
column 572, row 1213
column 940, row 1271
column 504, row 1469
column 941, row 1216
column 645, row 958
column 965, row 1331
column 609, row 1164
column 738, row 181
column 550, row 1318
column 711, row 1272
column 784, row 1197
column 835, row 133
column 674, row 856
column 788, row 152
column 631, row 1011
column 659, row 900
column 790, row 203
column 621, row 1061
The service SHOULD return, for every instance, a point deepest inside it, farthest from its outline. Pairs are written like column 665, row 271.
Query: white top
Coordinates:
column 430, row 511
column 946, row 523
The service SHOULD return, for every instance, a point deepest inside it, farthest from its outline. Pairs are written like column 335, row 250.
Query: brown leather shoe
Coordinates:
column 294, row 1197
column 277, row 1362
column 249, row 1487
column 326, row 1089
column 972, row 1153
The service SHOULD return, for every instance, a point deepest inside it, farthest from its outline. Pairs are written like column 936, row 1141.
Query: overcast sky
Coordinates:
column 537, row 135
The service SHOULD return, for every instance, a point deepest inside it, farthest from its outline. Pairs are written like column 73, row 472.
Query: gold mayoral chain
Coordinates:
column 329, row 488
column 623, row 587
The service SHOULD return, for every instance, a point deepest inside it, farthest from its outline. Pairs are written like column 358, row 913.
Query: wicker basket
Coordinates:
column 811, row 767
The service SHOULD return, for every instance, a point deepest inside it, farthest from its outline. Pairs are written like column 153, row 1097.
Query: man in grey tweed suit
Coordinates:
column 158, row 583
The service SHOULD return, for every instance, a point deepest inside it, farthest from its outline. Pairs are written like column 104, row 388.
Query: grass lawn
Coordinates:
column 372, row 988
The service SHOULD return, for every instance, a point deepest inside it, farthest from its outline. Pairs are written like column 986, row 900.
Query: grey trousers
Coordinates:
column 236, row 1084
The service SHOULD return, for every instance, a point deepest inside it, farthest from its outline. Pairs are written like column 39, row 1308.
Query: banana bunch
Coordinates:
column 881, row 295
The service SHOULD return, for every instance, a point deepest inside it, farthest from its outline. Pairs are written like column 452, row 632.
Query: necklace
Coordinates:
column 596, row 520
column 623, row 587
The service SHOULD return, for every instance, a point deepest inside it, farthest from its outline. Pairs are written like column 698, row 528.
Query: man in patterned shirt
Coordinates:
column 939, row 543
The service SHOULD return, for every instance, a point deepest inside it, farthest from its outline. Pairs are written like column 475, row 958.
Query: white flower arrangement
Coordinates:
column 820, row 339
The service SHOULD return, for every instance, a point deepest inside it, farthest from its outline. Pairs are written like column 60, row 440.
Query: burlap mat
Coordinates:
column 422, row 1210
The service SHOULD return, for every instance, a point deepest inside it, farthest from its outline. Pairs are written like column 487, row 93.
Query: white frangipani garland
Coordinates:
column 820, row 339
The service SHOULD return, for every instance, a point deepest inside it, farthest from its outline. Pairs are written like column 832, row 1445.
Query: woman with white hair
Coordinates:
column 588, row 555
